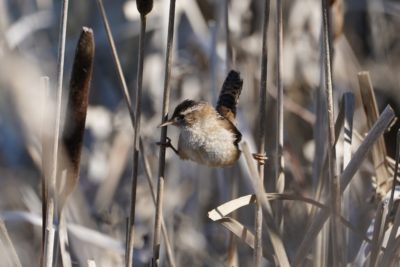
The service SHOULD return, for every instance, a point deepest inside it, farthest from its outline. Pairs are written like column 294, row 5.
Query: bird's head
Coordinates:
column 185, row 114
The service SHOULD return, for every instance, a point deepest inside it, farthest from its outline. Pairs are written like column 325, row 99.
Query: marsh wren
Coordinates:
column 208, row 135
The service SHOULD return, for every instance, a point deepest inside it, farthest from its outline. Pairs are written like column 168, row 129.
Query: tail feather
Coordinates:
column 229, row 95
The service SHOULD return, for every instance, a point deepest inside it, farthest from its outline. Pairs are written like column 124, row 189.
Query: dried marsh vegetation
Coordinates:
column 83, row 182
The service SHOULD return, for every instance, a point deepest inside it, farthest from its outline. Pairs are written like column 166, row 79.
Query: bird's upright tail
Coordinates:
column 229, row 96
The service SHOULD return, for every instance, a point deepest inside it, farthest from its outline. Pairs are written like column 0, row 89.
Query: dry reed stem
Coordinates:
column 279, row 160
column 149, row 178
column 164, row 117
column 377, row 236
column 261, row 134
column 5, row 241
column 136, row 132
column 273, row 232
column 116, row 60
column 396, row 170
column 123, row 85
column 338, row 127
column 232, row 255
column 337, row 234
column 51, row 194
column 348, row 102
column 376, row 131
column 379, row 149
column 46, row 159
column 388, row 254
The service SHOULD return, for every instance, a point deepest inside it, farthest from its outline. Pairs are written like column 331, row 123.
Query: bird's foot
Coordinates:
column 260, row 158
column 167, row 144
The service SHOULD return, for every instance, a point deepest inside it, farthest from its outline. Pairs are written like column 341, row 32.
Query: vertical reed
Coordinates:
column 144, row 7
column 51, row 194
column 163, row 137
column 337, row 234
column 279, row 160
column 261, row 133
column 125, row 92
column 375, row 132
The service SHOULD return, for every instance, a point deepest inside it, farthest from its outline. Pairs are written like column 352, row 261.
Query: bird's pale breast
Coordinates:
column 208, row 143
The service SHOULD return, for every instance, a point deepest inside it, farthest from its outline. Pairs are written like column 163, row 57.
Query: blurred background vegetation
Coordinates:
column 365, row 38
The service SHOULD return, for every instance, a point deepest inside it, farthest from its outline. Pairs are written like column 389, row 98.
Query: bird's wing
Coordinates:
column 229, row 96
column 232, row 127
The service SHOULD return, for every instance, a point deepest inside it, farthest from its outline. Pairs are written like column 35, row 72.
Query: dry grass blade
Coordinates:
column 338, row 127
column 377, row 130
column 379, row 149
column 379, row 229
column 72, row 136
column 64, row 243
column 261, row 133
column 7, row 247
column 392, row 255
column 244, row 234
column 273, row 233
column 163, row 137
column 396, row 223
column 348, row 102
column 388, row 254
column 220, row 214
column 230, row 206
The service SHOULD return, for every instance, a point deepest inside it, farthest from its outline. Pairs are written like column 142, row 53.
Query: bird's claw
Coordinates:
column 260, row 158
column 167, row 144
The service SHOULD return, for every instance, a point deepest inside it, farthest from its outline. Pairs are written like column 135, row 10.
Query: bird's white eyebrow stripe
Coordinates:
column 191, row 109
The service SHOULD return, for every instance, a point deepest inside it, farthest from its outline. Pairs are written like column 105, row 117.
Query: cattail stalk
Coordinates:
column 125, row 91
column 164, row 117
column 144, row 8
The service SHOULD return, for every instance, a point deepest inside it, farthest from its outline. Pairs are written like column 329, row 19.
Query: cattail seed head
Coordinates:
column 144, row 6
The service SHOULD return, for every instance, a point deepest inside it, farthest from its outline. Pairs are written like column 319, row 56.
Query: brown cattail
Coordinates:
column 144, row 6
column 72, row 135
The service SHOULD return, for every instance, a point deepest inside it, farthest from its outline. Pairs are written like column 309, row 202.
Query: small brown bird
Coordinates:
column 208, row 135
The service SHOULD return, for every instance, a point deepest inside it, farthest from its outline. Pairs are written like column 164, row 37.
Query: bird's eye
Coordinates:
column 180, row 117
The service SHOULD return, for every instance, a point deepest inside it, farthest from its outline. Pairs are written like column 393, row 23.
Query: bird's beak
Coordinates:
column 168, row 122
